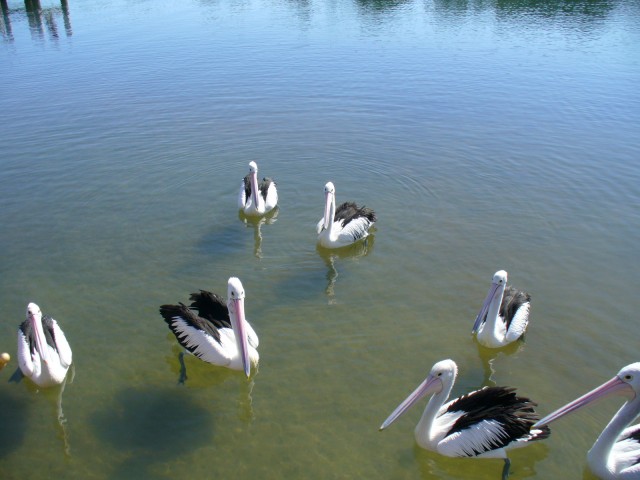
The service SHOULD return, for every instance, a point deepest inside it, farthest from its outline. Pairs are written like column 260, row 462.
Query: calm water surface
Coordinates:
column 486, row 134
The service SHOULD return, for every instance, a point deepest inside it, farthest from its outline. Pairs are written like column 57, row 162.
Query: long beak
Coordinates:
column 41, row 342
column 238, row 325
column 429, row 386
column 612, row 387
column 327, row 209
column 254, row 188
column 485, row 307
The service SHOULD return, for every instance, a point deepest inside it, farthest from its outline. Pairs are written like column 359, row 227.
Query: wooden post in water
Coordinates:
column 65, row 16
column 32, row 6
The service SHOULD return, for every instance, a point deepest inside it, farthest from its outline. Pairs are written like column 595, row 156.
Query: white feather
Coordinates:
column 225, row 353
column 519, row 323
column 474, row 441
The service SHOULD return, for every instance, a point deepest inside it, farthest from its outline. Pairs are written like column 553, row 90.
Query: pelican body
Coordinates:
column 213, row 331
column 616, row 453
column 504, row 315
column 484, row 423
column 257, row 199
column 345, row 224
column 44, row 355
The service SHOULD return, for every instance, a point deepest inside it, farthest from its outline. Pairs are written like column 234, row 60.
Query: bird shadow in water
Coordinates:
column 13, row 428
column 332, row 256
column 221, row 239
column 52, row 394
column 150, row 426
column 256, row 224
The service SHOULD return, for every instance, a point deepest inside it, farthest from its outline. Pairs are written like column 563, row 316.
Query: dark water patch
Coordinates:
column 151, row 425
column 13, row 418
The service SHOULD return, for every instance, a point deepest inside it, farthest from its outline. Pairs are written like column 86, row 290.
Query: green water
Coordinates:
column 486, row 136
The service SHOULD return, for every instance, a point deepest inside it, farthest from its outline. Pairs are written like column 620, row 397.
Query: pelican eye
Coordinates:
column 628, row 377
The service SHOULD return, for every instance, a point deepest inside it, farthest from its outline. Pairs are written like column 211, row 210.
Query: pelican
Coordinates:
column 616, row 453
column 484, row 423
column 504, row 315
column 345, row 224
column 44, row 354
column 257, row 199
column 215, row 332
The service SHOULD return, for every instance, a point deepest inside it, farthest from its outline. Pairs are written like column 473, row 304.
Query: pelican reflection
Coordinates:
column 333, row 256
column 256, row 223
column 489, row 355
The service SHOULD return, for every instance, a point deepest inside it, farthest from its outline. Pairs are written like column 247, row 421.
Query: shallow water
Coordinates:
column 486, row 135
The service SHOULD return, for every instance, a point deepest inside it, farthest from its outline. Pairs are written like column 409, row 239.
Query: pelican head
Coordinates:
column 631, row 376
column 253, row 167
column 329, row 188
column 500, row 277
column 445, row 370
column 498, row 283
column 235, row 303
column 441, row 378
column 625, row 383
column 33, row 311
column 235, row 290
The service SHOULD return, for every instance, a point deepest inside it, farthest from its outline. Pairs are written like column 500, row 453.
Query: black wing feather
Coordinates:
column 247, row 186
column 212, row 307
column 632, row 434
column 512, row 300
column 516, row 414
column 264, row 186
column 170, row 312
column 349, row 210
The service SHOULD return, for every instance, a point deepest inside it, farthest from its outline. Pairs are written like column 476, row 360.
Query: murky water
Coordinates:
column 486, row 135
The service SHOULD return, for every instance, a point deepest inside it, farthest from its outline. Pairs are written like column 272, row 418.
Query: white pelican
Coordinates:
column 504, row 315
column 345, row 224
column 44, row 354
column 215, row 332
column 484, row 423
column 257, row 199
column 616, row 453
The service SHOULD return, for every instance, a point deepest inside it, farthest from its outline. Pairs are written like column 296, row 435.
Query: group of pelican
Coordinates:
column 218, row 332
column 485, row 423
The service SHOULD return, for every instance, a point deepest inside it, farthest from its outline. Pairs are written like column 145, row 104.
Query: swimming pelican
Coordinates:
column 616, row 453
column 344, row 225
column 215, row 332
column 44, row 354
column 504, row 315
column 484, row 423
column 257, row 199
